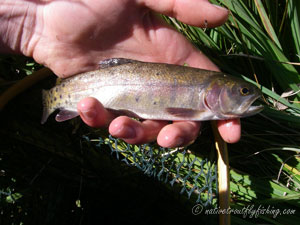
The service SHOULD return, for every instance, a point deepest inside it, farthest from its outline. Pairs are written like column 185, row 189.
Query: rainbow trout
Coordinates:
column 154, row 91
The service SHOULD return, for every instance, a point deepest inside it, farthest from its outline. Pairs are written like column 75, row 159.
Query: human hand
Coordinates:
column 73, row 36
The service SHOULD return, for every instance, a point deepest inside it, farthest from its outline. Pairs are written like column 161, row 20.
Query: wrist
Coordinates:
column 17, row 19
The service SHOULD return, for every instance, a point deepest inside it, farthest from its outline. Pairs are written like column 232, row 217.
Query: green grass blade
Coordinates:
column 266, row 22
column 294, row 13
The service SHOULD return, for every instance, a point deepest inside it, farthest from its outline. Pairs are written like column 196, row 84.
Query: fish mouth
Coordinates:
column 254, row 108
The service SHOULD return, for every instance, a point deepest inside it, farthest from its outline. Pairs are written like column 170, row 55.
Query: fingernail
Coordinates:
column 124, row 132
column 220, row 7
column 89, row 114
column 228, row 124
column 179, row 142
column 191, row 142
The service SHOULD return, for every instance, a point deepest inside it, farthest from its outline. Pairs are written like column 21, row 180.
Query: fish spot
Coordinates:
column 56, row 89
column 69, row 96
column 154, row 103
column 60, row 96
column 175, row 82
column 157, row 73
column 54, row 99
column 63, row 85
column 66, row 101
column 137, row 99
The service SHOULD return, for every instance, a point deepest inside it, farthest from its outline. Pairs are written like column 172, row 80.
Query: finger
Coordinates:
column 135, row 132
column 178, row 134
column 93, row 113
column 194, row 12
column 230, row 130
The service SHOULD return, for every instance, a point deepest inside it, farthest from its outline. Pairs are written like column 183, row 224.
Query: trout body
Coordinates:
column 154, row 91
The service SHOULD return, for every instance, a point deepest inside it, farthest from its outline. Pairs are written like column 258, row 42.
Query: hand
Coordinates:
column 73, row 36
column 179, row 133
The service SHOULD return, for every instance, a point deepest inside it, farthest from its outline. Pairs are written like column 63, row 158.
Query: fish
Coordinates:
column 155, row 91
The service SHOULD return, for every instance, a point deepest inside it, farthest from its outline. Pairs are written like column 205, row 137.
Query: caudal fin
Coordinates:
column 47, row 106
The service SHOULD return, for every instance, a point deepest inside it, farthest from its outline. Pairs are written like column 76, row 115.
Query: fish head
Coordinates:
column 230, row 97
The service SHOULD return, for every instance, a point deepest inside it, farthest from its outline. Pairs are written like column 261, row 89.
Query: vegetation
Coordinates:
column 260, row 43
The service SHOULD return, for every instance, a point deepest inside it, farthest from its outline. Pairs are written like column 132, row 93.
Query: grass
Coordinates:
column 250, row 39
column 260, row 43
column 49, row 175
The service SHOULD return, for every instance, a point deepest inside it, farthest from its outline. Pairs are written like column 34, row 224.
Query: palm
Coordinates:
column 75, row 37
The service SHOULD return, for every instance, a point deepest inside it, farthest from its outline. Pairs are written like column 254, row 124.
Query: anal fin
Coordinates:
column 64, row 115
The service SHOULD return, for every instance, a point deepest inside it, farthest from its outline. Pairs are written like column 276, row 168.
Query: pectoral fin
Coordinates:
column 64, row 115
column 184, row 112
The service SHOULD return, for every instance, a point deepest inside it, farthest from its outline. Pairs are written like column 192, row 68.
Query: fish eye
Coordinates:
column 244, row 91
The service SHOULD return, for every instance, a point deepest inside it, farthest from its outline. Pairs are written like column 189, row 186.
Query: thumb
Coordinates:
column 193, row 12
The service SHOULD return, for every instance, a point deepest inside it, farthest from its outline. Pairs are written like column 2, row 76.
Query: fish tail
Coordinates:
column 47, row 106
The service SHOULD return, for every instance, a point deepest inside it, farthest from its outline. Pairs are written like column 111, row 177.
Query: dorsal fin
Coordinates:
column 114, row 62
